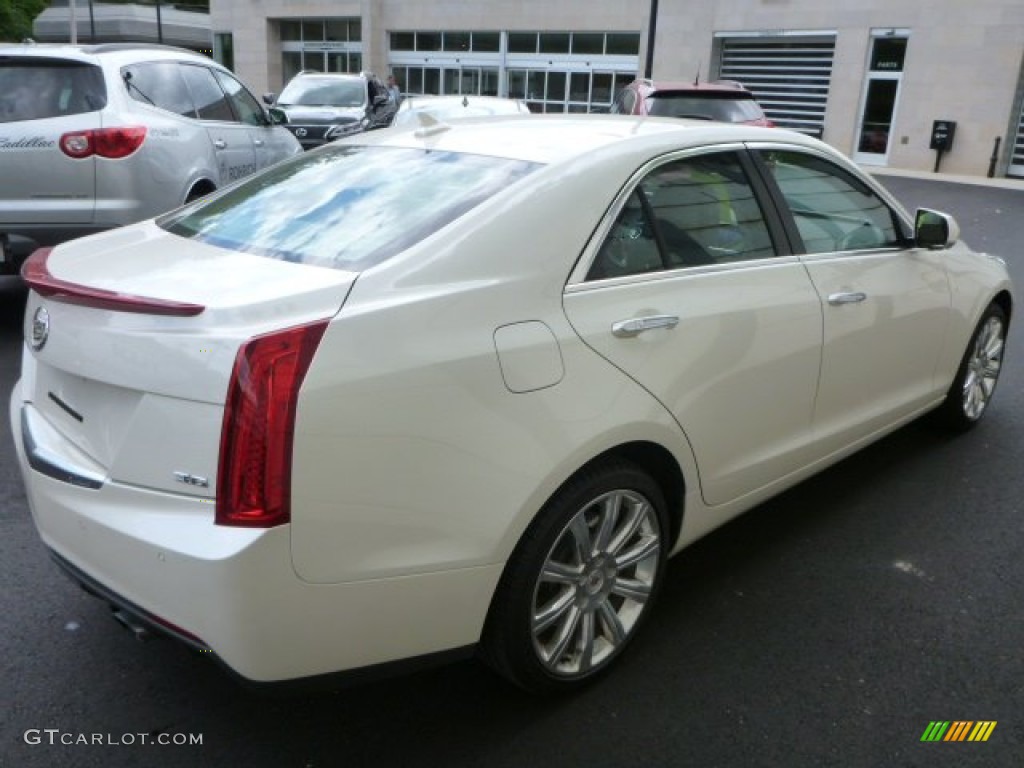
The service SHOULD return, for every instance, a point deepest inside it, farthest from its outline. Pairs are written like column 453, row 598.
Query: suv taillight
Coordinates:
column 111, row 143
column 255, row 468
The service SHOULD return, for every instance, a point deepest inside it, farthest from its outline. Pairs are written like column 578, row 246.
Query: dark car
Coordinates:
column 320, row 107
column 725, row 101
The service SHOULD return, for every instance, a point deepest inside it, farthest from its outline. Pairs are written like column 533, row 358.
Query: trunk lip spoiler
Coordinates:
column 36, row 273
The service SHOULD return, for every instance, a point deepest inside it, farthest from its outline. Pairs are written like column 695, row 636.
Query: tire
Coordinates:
column 971, row 391
column 580, row 582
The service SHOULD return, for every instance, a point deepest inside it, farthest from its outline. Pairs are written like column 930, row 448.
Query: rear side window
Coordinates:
column 347, row 207
column 160, row 84
column 36, row 89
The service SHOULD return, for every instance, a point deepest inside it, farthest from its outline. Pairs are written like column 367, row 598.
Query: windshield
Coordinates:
column 34, row 89
column 323, row 92
column 346, row 207
column 724, row 107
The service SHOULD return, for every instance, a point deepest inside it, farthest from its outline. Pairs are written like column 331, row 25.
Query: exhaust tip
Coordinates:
column 131, row 623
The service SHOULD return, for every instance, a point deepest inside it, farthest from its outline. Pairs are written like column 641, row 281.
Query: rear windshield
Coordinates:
column 35, row 89
column 323, row 92
column 346, row 207
column 724, row 107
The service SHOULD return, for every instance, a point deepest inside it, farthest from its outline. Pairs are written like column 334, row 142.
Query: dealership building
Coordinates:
column 881, row 80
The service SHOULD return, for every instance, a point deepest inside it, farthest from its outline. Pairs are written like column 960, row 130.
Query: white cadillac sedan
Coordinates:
column 467, row 387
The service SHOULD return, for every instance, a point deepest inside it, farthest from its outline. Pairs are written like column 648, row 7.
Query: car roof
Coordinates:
column 556, row 138
column 119, row 52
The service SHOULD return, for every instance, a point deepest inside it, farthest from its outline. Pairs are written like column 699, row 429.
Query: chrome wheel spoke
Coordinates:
column 586, row 641
column 560, row 573
column 553, row 611
column 634, row 519
column 647, row 546
column 614, row 630
column 633, row 589
column 581, row 538
column 564, row 638
column 609, row 516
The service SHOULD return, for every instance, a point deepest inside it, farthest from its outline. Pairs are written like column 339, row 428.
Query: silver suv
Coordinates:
column 96, row 136
column 319, row 107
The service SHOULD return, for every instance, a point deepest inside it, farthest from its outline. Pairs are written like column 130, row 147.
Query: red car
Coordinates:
column 724, row 100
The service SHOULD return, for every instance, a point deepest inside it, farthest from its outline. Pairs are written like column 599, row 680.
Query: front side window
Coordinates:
column 832, row 209
column 347, row 207
column 39, row 88
column 248, row 109
column 686, row 213
column 210, row 101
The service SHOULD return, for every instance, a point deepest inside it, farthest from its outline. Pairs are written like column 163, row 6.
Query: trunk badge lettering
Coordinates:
column 188, row 479
column 40, row 328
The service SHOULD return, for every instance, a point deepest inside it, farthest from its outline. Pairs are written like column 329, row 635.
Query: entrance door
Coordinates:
column 878, row 105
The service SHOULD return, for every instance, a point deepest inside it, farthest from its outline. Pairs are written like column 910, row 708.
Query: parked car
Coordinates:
column 446, row 108
column 97, row 136
column 723, row 100
column 321, row 107
column 409, row 397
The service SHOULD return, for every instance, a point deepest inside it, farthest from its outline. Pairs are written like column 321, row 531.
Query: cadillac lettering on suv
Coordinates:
column 96, row 136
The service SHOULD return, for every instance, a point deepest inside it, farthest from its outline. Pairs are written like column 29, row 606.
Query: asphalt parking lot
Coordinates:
column 827, row 627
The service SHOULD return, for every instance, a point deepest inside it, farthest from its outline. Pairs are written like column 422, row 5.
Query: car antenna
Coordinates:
column 696, row 80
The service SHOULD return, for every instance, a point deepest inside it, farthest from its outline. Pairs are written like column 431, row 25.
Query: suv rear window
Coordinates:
column 724, row 107
column 324, row 92
column 346, row 207
column 35, row 89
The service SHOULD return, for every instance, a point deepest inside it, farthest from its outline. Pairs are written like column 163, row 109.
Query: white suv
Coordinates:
column 96, row 136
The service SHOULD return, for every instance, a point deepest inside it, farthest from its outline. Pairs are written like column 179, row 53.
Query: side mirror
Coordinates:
column 935, row 230
column 268, row 98
column 277, row 116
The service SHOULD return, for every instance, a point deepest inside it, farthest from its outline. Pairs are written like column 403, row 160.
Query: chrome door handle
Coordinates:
column 835, row 299
column 637, row 325
column 258, row 142
column 220, row 144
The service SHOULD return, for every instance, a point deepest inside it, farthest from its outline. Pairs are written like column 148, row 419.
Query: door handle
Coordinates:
column 220, row 144
column 636, row 325
column 854, row 297
column 258, row 142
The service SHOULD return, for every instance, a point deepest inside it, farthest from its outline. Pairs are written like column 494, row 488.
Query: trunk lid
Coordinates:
column 142, row 394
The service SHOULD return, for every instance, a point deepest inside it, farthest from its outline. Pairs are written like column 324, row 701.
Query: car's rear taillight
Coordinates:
column 111, row 143
column 254, row 472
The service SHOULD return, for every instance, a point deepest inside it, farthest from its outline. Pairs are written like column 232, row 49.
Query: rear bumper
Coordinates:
column 234, row 591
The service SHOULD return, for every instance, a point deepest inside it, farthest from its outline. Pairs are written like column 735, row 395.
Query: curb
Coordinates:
column 980, row 181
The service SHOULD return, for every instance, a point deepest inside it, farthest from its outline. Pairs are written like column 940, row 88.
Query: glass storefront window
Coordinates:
column 586, row 42
column 312, row 30
column 487, row 42
column 291, row 30
column 554, row 42
column 623, row 44
column 456, row 41
column 337, row 30
column 428, row 41
column 522, row 42
column 403, row 41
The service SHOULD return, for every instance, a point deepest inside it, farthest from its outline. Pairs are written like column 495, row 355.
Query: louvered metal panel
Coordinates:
column 1017, row 159
column 789, row 76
